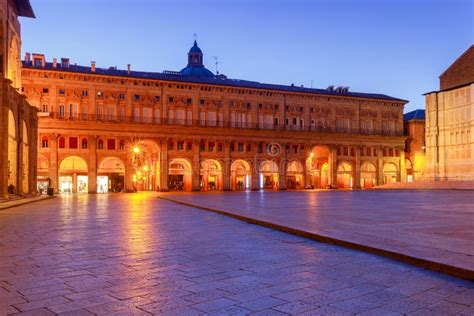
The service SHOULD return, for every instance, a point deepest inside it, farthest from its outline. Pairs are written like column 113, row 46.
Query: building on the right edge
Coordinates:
column 450, row 123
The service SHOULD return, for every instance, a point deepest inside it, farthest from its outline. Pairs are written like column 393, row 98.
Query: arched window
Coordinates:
column 45, row 108
column 62, row 142
column 84, row 143
column 100, row 144
column 44, row 142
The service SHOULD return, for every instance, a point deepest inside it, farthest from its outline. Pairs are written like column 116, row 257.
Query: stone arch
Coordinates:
column 390, row 172
column 12, row 153
column 294, row 174
column 241, row 173
column 211, row 178
column 110, row 175
column 73, row 177
column 25, row 159
column 345, row 175
column 144, row 157
column 317, row 166
column 268, row 173
column 368, row 175
column 180, row 174
column 14, row 62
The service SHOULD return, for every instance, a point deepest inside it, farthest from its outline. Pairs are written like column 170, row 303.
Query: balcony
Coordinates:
column 83, row 117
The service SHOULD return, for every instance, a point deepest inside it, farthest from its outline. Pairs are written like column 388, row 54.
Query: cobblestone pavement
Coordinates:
column 435, row 225
column 133, row 254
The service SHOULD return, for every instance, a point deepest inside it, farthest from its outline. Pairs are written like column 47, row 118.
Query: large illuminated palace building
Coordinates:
column 104, row 130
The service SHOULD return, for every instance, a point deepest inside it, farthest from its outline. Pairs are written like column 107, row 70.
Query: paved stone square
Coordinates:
column 435, row 225
column 134, row 254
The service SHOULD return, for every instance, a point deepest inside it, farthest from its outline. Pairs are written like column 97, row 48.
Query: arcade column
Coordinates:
column 357, row 168
column 53, row 162
column 196, row 165
column 226, row 166
column 92, row 176
column 403, row 169
column 164, row 165
column 332, row 167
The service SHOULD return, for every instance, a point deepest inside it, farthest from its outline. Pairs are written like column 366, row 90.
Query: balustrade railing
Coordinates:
column 214, row 124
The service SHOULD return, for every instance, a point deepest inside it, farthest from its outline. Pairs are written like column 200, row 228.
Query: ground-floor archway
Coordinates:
column 268, row 173
column 240, row 175
column 368, row 175
column 294, row 175
column 344, row 175
column 390, row 172
column 210, row 175
column 12, row 154
column 25, row 163
column 179, row 175
column 111, row 175
column 318, row 167
column 73, row 175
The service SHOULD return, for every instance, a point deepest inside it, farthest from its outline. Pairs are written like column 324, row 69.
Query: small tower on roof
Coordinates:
column 195, row 56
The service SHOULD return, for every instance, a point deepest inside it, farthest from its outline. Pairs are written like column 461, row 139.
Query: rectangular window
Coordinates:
column 240, row 147
column 45, row 90
column 157, row 98
column 189, row 101
column 189, row 146
column 85, row 93
column 61, row 110
column 73, row 142
column 181, row 145
column 121, row 96
column 136, row 97
column 170, row 99
column 277, row 121
column 62, row 91
column 111, row 144
column 219, row 147
column 211, row 146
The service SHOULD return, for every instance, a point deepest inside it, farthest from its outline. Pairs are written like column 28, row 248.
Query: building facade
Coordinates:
column 450, row 123
column 18, row 120
column 415, row 150
column 103, row 130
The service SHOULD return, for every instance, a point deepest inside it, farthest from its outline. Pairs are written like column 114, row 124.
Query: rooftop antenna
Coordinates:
column 217, row 64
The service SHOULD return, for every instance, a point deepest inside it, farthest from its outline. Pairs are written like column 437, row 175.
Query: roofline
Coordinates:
column 131, row 76
column 24, row 8
column 457, row 59
column 449, row 89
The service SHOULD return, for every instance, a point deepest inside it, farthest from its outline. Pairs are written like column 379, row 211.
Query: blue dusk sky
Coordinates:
column 395, row 47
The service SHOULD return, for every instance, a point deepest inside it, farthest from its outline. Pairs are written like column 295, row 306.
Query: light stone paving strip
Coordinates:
column 133, row 254
column 430, row 228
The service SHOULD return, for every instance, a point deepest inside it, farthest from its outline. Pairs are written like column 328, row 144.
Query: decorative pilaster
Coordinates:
column 332, row 167
column 164, row 165
column 92, row 142
column 196, row 165
column 357, row 167
column 403, row 169
column 226, row 166
column 53, row 162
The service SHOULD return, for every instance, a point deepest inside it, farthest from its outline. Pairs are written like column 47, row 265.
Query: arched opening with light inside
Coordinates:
column 179, row 175
column 111, row 175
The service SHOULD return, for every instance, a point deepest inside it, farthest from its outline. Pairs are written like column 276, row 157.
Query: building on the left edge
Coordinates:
column 18, row 119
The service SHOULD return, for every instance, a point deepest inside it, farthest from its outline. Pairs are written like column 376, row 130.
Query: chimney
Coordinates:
column 27, row 58
column 55, row 63
column 129, row 68
column 65, row 62
column 92, row 66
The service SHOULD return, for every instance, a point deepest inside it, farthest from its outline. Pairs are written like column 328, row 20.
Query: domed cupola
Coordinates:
column 195, row 64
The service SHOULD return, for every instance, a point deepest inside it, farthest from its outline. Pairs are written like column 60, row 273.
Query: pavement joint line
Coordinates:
column 419, row 262
column 28, row 201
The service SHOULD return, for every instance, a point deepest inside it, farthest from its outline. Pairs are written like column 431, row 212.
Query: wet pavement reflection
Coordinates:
column 134, row 254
